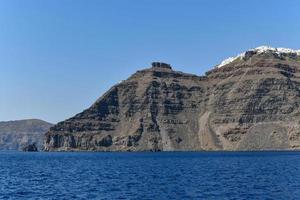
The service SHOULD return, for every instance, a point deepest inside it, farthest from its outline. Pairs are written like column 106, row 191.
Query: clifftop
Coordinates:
column 252, row 103
column 278, row 52
column 161, row 65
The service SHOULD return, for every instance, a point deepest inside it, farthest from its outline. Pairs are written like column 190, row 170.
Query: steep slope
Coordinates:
column 250, row 102
column 255, row 100
column 16, row 134
column 149, row 111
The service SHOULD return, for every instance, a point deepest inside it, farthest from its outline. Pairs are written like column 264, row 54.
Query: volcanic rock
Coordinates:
column 250, row 102
column 30, row 148
column 16, row 134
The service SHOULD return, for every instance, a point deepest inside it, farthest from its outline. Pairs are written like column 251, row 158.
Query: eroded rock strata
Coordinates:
column 249, row 103
column 15, row 135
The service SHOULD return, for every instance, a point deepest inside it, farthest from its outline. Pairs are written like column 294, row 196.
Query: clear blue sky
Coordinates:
column 58, row 56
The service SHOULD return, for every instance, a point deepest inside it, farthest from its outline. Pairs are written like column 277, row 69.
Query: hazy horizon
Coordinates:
column 57, row 57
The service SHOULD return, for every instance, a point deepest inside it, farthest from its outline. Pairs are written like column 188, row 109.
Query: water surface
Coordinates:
column 209, row 175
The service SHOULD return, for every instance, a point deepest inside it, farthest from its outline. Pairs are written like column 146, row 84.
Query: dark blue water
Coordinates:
column 268, row 175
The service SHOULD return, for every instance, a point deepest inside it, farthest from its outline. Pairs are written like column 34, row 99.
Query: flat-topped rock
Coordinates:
column 161, row 65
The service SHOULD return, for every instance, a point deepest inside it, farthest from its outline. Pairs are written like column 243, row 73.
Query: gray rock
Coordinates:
column 16, row 134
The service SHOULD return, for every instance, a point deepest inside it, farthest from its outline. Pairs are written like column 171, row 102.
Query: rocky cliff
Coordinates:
column 250, row 102
column 14, row 135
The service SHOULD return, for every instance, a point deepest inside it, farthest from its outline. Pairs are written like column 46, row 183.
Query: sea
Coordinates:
column 163, row 175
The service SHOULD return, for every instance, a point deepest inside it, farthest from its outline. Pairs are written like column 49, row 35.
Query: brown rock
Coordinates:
column 249, row 104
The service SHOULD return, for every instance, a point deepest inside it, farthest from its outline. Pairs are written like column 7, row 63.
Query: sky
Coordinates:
column 58, row 56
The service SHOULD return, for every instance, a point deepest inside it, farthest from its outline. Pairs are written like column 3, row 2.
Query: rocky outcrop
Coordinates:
column 14, row 135
column 249, row 103
column 30, row 148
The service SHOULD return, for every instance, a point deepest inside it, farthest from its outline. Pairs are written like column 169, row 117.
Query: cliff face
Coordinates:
column 14, row 135
column 250, row 103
